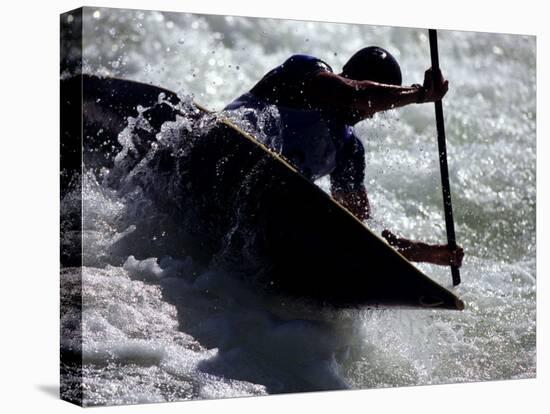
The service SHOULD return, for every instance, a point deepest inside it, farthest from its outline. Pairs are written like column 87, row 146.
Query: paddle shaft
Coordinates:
column 445, row 185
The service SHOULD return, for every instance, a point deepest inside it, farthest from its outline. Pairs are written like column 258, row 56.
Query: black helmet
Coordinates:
column 375, row 64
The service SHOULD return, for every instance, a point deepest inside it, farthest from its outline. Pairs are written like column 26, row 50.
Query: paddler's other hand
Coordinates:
column 443, row 255
column 415, row 251
column 456, row 256
column 434, row 91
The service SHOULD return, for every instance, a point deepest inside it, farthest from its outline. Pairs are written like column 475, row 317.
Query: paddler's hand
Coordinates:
column 456, row 256
column 434, row 91
column 439, row 254
column 356, row 202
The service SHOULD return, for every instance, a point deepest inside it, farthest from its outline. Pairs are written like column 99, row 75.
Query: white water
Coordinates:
column 164, row 329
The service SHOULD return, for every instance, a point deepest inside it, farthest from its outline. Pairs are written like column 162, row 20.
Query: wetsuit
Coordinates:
column 313, row 139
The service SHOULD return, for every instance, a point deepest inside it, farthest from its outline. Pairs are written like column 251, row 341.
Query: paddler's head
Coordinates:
column 375, row 64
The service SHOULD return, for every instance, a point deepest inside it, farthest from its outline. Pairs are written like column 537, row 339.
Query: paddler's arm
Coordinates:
column 332, row 90
column 415, row 251
column 347, row 178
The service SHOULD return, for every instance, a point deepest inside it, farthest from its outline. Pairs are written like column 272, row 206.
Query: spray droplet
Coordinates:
column 497, row 50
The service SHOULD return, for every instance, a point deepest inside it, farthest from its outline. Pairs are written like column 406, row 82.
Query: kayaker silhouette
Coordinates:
column 317, row 110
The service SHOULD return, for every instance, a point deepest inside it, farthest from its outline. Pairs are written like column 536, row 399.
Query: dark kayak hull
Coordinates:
column 307, row 244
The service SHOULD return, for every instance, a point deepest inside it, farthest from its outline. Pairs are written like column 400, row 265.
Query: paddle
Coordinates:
column 447, row 205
